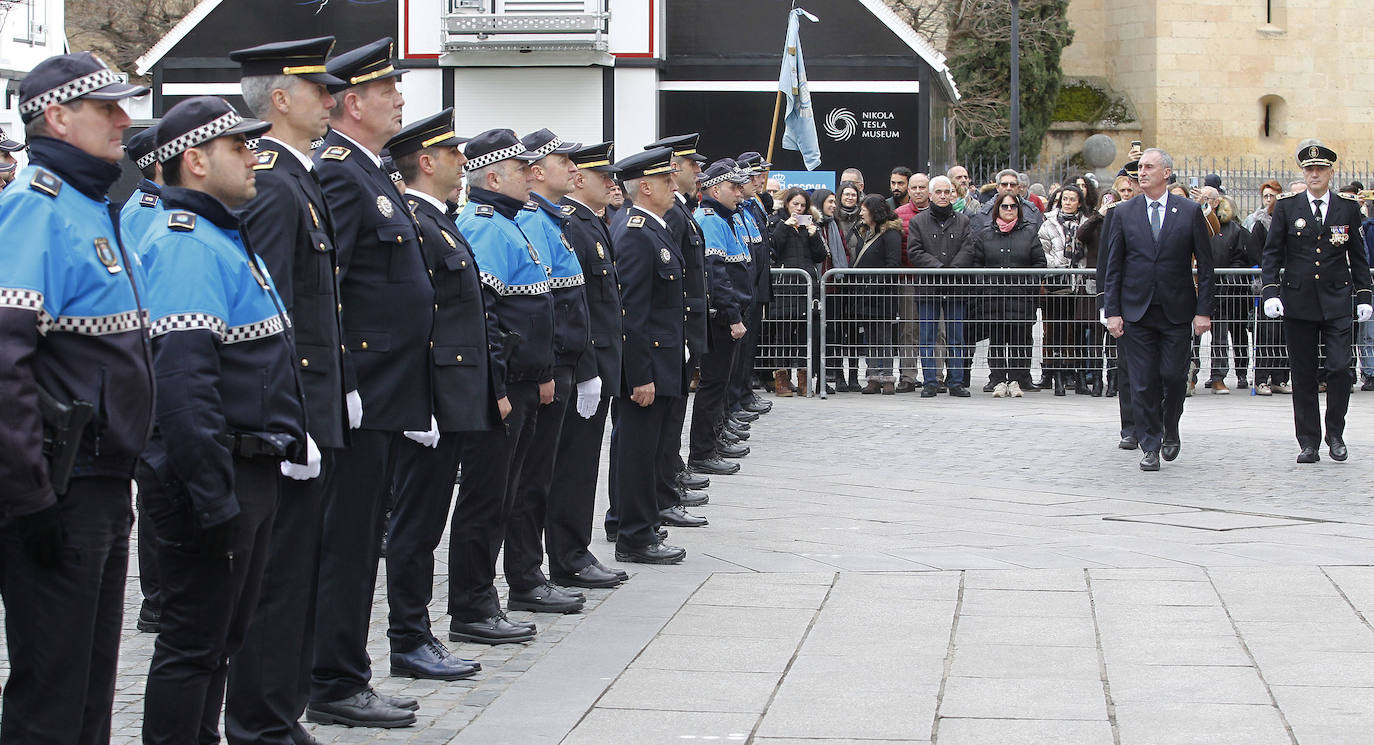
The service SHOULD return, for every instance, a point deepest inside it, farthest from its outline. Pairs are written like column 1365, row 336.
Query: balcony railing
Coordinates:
column 525, row 26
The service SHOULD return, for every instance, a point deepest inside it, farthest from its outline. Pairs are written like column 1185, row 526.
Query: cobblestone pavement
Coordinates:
column 893, row 569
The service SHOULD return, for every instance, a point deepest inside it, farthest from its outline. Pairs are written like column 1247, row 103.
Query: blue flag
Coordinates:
column 799, row 129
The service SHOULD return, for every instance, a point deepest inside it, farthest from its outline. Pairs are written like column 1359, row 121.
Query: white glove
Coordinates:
column 429, row 439
column 1364, row 311
column 1273, row 307
column 589, row 397
column 310, row 470
column 1102, row 317
column 355, row 409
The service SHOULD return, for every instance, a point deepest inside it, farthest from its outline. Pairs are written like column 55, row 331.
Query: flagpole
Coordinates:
column 773, row 133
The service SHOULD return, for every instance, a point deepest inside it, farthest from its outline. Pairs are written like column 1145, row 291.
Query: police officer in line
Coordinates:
column 651, row 268
column 77, row 386
column 542, row 221
column 1315, row 242
column 754, row 218
column 520, row 328
column 144, row 205
column 388, row 308
column 229, row 411
column 427, row 155
column 727, row 260
column 8, row 165
column 572, row 496
column 1126, row 411
column 289, row 226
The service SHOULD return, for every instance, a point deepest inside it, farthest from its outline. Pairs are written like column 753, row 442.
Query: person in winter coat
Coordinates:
column 1233, row 309
column 840, row 311
column 934, row 239
column 1065, row 320
column 796, row 243
column 875, row 302
column 1271, row 352
column 1009, row 240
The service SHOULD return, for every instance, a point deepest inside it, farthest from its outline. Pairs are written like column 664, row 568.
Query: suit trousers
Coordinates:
column 572, row 496
column 1157, row 353
column 349, row 552
column 641, row 431
column 478, row 525
column 742, row 372
column 709, row 409
column 208, row 601
column 269, row 677
column 1124, row 397
column 1304, row 358
column 525, row 528
column 63, row 624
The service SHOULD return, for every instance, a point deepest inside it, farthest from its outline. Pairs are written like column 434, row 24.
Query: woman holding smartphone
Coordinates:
column 796, row 243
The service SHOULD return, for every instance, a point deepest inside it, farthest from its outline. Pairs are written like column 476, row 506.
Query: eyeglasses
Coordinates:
column 1006, row 206
column 1010, row 184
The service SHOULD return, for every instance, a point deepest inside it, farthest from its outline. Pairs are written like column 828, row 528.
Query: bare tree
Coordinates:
column 929, row 18
column 120, row 32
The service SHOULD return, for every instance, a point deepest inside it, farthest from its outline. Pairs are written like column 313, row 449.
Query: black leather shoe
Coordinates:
column 744, row 415
column 758, row 404
column 737, row 425
column 990, row 387
column 1150, row 461
column 363, row 709
column 409, row 703
column 494, row 630
column 689, row 498
column 727, row 450
column 905, row 386
column 589, row 576
column 617, row 571
column 1171, row 447
column 527, row 624
column 654, row 553
column 431, row 661
column 545, row 599
column 728, row 437
column 930, row 391
column 742, row 433
column 1128, row 443
column 1337, row 448
column 695, row 481
column 959, row 391
column 299, row 736
column 714, row 465
column 677, row 517
column 1308, row 455
column 149, row 620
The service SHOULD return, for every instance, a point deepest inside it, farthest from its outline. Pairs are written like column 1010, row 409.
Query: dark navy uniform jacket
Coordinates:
column 464, row 395
column 698, row 299
column 760, row 255
column 388, row 300
column 140, row 211
column 727, row 262
column 543, row 222
column 591, row 239
column 289, row 226
column 650, row 267
column 222, row 353
column 516, row 283
column 72, row 322
column 1322, row 264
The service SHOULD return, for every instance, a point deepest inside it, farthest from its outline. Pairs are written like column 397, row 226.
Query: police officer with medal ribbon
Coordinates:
column 388, row 309
column 1313, row 264
column 77, row 386
column 230, row 410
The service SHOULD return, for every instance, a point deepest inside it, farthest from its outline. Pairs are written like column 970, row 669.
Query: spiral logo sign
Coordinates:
column 841, row 124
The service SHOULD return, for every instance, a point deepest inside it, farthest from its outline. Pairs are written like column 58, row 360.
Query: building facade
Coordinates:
column 30, row 31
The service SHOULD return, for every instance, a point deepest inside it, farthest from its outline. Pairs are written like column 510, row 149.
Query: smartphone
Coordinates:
column 1192, row 182
column 1135, row 144
column 1108, row 198
column 803, row 219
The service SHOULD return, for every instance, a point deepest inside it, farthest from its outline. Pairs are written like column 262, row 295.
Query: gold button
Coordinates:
column 462, row 265
column 624, row 338
column 431, row 345
column 671, row 277
column 431, row 272
column 398, row 239
column 1317, row 277
column 436, row 306
column 655, row 343
column 604, row 272
column 336, row 271
column 340, row 307
column 460, row 358
column 622, row 311
column 305, row 362
column 689, row 309
column 321, row 246
column 364, row 345
column 1319, row 250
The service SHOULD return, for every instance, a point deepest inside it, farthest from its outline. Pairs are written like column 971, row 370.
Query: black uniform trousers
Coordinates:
column 269, row 677
column 208, row 601
column 63, row 625
column 525, row 528
column 641, row 431
column 1304, row 352
column 363, row 479
column 424, row 495
column 742, row 375
column 670, row 454
column 612, row 518
column 572, row 496
column 709, row 409
column 484, row 507
column 147, row 559
column 1124, row 395
column 1157, row 353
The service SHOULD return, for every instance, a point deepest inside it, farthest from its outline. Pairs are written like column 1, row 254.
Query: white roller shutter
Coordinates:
column 566, row 100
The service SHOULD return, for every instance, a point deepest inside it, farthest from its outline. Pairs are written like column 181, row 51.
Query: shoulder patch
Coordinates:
column 568, row 209
column 484, row 210
column 266, row 159
column 335, row 152
column 1288, row 194
column 46, row 182
column 181, row 220
column 708, row 211
column 148, row 200
column 636, row 221
column 530, row 205
column 1344, row 195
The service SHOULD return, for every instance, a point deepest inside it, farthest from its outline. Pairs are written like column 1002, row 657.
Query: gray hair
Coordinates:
column 855, row 171
column 478, row 176
column 1165, row 159
column 257, row 92
column 1006, row 172
column 938, row 180
column 1023, row 179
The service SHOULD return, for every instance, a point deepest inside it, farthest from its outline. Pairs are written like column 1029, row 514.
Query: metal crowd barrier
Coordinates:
column 789, row 336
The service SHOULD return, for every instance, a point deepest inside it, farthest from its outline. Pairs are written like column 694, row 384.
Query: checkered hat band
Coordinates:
column 549, row 147
column 708, row 183
column 203, row 133
column 495, row 156
column 72, row 89
column 146, row 160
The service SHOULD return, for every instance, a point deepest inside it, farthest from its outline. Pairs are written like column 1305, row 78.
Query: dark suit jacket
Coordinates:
column 1319, row 274
column 1142, row 271
column 591, row 239
column 651, row 266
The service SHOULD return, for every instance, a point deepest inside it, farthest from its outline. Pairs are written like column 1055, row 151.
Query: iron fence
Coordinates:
column 790, row 335
column 1241, row 177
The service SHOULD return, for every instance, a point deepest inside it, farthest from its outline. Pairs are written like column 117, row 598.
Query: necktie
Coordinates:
column 1156, row 219
column 1317, row 210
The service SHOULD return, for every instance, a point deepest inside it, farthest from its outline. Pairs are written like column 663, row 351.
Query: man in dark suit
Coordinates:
column 1154, row 243
column 1314, row 239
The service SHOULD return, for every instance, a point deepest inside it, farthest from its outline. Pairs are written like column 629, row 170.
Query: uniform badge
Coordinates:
column 1340, row 234
column 664, row 256
column 1314, row 152
column 147, row 200
column 183, row 221
column 107, row 256
column 1299, row 223
column 266, row 160
column 314, row 216
column 257, row 273
column 568, row 209
column 451, row 243
column 635, row 222
column 566, row 244
column 600, row 251
column 384, row 206
column 534, row 255
column 335, row 152
column 708, row 211
column 46, row 182
column 484, row 210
